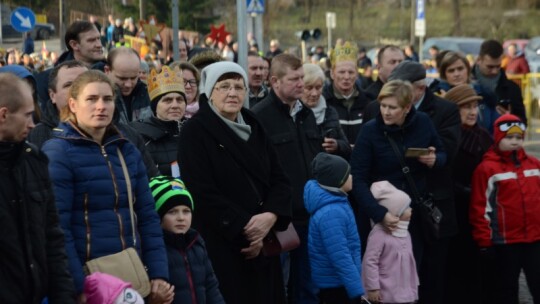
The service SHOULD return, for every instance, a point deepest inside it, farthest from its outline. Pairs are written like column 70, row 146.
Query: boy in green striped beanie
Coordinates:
column 194, row 279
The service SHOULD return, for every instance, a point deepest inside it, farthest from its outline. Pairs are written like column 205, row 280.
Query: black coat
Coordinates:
column 230, row 181
column 507, row 89
column 190, row 269
column 445, row 116
column 161, row 141
column 297, row 142
column 331, row 128
column 352, row 118
column 36, row 249
column 374, row 89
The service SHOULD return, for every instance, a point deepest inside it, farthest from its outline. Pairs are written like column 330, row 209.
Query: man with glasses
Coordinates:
column 488, row 72
column 294, row 132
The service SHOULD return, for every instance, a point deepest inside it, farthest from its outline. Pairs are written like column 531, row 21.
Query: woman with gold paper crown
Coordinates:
column 344, row 93
column 161, row 132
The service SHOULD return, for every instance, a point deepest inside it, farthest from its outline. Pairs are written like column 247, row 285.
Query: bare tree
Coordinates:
column 457, row 17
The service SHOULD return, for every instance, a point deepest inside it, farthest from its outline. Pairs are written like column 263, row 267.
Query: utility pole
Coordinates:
column 175, row 20
column 413, row 20
column 141, row 10
column 62, row 24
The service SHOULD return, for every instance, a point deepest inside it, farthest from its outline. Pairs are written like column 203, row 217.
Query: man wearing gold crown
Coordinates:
column 161, row 132
column 343, row 93
column 132, row 100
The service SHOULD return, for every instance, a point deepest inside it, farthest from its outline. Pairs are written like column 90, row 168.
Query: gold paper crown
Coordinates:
column 165, row 82
column 346, row 52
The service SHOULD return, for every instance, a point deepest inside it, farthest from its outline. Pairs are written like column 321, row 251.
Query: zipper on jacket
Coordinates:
column 116, row 195
column 189, row 277
column 87, row 223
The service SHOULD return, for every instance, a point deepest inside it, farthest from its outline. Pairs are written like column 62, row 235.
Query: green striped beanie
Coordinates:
column 169, row 192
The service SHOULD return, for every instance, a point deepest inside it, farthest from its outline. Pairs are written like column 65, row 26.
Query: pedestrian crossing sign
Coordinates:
column 255, row 6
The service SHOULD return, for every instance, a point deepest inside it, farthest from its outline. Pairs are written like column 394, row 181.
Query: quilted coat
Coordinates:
column 91, row 196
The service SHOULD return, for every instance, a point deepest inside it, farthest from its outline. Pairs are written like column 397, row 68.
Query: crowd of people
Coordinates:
column 194, row 163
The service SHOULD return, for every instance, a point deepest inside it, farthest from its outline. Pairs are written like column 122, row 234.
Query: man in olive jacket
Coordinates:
column 33, row 262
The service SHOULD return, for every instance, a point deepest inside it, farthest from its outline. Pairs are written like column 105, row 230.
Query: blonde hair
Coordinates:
column 401, row 90
column 78, row 86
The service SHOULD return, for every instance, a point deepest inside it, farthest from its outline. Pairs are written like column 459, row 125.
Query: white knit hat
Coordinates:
column 211, row 74
column 395, row 200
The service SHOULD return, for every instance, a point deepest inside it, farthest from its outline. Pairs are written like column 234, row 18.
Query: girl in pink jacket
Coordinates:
column 388, row 267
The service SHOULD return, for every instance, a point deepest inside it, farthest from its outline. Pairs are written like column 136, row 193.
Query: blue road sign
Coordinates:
column 420, row 13
column 255, row 6
column 23, row 19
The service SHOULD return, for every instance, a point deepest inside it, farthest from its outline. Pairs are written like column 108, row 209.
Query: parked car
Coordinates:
column 41, row 31
column 465, row 45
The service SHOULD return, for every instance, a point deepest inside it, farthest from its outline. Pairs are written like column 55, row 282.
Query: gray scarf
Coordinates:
column 239, row 127
column 320, row 110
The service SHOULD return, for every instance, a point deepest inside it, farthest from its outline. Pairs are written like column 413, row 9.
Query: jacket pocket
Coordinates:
column 282, row 138
column 37, row 202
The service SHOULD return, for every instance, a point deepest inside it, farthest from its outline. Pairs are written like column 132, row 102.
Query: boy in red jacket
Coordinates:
column 505, row 212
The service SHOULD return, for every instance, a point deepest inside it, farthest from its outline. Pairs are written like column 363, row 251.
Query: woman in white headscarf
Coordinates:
column 233, row 173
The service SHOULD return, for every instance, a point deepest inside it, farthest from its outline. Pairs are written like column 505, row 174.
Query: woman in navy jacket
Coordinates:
column 90, row 186
column 373, row 158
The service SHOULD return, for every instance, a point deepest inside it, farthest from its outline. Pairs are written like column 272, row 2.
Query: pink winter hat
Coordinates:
column 395, row 200
column 102, row 288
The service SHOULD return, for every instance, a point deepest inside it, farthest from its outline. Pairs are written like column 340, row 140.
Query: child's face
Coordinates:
column 511, row 142
column 406, row 215
column 177, row 220
column 348, row 184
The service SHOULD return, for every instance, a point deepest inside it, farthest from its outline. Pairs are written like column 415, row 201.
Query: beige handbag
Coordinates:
column 126, row 264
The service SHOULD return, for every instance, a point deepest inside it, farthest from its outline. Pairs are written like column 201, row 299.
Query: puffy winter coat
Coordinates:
column 505, row 199
column 91, row 196
column 333, row 242
column 190, row 269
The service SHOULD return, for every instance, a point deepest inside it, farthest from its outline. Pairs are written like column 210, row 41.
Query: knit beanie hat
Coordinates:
column 462, row 94
column 211, row 74
column 395, row 200
column 102, row 288
column 408, row 71
column 507, row 124
column 330, row 170
column 169, row 192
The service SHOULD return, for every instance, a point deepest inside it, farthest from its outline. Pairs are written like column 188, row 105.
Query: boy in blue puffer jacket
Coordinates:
column 190, row 269
column 333, row 241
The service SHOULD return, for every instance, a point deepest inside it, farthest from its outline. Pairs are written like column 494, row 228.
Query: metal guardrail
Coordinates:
column 530, row 88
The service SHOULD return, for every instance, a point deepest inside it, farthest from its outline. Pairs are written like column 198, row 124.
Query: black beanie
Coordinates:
column 330, row 170
column 169, row 192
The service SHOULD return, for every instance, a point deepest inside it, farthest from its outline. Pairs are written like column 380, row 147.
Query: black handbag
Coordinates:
column 430, row 215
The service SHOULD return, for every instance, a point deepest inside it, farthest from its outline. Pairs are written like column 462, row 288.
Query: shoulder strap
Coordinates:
column 404, row 168
column 130, row 195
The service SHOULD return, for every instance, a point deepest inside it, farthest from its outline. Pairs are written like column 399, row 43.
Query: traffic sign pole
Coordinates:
column 330, row 24
column 420, row 25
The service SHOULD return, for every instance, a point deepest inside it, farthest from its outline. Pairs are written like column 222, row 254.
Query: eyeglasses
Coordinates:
column 226, row 87
column 192, row 82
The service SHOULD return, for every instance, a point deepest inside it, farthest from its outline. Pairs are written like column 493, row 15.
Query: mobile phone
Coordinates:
column 415, row 152
column 330, row 133
column 505, row 103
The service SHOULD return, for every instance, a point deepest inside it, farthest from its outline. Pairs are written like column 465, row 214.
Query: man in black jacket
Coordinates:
column 33, row 262
column 344, row 93
column 293, row 130
column 388, row 58
column 492, row 78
